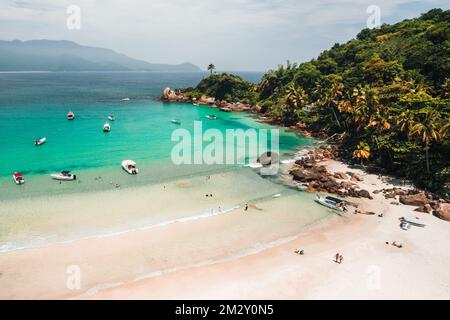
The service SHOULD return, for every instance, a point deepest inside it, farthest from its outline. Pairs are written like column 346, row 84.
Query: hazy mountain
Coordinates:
column 50, row 55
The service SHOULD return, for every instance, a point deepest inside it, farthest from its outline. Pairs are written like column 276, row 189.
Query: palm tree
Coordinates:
column 294, row 96
column 405, row 121
column 211, row 68
column 428, row 130
column 293, row 101
column 362, row 152
column 329, row 97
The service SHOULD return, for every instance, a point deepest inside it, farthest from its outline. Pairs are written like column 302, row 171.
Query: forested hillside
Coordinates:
column 388, row 89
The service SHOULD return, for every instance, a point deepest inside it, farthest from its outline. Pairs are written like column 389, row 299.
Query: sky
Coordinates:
column 244, row 35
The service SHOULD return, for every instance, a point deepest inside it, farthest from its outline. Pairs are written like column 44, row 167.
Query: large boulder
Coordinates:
column 356, row 177
column 443, row 211
column 340, row 175
column 418, row 200
column 364, row 194
column 268, row 158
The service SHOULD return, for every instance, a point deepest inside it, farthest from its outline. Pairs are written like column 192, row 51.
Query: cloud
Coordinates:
column 234, row 34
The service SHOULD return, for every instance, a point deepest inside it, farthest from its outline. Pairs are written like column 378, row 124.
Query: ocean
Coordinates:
column 105, row 200
column 34, row 105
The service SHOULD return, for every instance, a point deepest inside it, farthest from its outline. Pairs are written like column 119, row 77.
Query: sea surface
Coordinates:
column 34, row 105
column 105, row 200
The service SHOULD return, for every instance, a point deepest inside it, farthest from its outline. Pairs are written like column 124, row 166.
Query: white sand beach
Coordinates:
column 248, row 255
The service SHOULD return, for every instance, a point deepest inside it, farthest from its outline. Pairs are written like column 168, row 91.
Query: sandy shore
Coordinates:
column 249, row 255
column 371, row 268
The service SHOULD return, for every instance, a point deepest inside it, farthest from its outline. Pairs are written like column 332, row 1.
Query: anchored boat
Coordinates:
column 211, row 117
column 64, row 176
column 70, row 115
column 175, row 121
column 130, row 166
column 18, row 178
column 106, row 127
column 40, row 141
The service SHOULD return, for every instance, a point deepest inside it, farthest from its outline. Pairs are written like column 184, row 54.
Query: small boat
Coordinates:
column 70, row 115
column 211, row 117
column 40, row 141
column 126, row 99
column 18, row 178
column 415, row 224
column 130, row 166
column 331, row 202
column 111, row 118
column 176, row 121
column 106, row 127
column 64, row 176
column 405, row 225
column 196, row 104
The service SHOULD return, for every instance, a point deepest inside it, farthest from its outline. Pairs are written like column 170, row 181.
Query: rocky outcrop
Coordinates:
column 341, row 176
column 318, row 178
column 356, row 177
column 418, row 200
column 443, row 211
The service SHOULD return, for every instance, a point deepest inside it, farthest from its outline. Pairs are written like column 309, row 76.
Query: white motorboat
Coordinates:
column 40, row 141
column 211, row 117
column 126, row 99
column 175, row 121
column 106, row 127
column 70, row 115
column 130, row 166
column 111, row 118
column 18, row 178
column 331, row 202
column 64, row 176
column 196, row 104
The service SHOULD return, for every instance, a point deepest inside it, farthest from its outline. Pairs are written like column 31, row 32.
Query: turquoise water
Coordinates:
column 34, row 105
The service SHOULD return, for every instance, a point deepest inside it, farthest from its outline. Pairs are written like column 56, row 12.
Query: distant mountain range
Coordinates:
column 51, row 55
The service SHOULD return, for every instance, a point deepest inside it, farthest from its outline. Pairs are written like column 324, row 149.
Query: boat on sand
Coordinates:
column 331, row 202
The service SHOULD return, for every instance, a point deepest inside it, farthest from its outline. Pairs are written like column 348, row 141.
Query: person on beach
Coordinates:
column 336, row 259
column 246, row 207
column 341, row 258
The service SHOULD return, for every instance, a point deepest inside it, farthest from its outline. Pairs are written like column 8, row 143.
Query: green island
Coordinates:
column 386, row 93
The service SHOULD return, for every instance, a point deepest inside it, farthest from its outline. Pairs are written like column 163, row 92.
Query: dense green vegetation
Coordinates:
column 388, row 89
column 225, row 87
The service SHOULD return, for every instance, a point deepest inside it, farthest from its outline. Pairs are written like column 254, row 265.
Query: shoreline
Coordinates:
column 372, row 269
column 258, row 266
